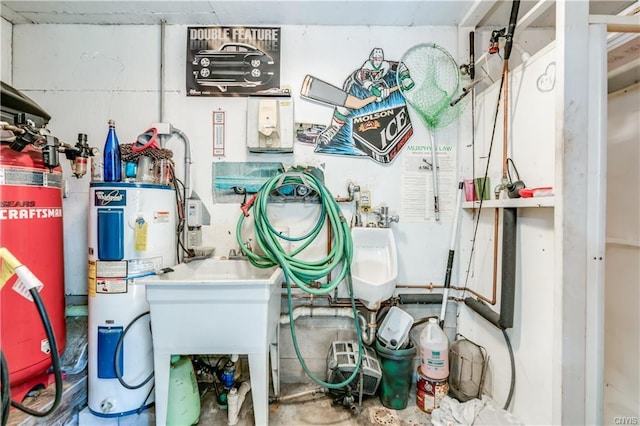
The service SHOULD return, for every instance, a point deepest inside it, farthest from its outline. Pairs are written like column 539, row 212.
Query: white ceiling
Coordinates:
column 495, row 13
column 472, row 13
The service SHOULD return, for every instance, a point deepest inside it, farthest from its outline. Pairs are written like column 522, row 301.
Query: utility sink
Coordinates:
column 216, row 306
column 220, row 271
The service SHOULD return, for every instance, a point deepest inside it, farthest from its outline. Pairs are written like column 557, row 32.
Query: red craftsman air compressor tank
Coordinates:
column 31, row 229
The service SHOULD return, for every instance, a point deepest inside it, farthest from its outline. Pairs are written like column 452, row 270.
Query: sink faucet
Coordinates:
column 239, row 254
column 384, row 219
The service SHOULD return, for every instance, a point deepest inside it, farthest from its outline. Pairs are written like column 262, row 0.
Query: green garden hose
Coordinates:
column 307, row 275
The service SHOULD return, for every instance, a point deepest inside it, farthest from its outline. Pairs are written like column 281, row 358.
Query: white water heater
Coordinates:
column 132, row 233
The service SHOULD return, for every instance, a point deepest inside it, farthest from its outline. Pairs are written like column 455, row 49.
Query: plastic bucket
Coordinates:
column 397, row 374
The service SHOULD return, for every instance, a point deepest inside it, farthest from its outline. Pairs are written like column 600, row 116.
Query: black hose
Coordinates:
column 55, row 360
column 139, row 410
column 116, row 366
column 5, row 390
column 513, row 369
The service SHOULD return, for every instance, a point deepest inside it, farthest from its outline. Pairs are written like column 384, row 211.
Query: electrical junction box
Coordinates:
column 197, row 214
column 163, row 128
column 270, row 124
column 365, row 201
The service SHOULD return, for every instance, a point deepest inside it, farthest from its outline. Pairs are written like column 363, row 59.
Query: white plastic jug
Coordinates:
column 434, row 351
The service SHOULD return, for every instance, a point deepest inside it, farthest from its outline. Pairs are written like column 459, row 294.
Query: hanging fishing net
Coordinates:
column 436, row 84
column 429, row 79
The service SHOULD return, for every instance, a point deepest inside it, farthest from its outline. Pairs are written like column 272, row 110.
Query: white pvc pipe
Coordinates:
column 368, row 329
column 234, row 402
column 308, row 311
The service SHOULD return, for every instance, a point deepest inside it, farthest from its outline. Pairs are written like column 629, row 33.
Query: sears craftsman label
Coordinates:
column 382, row 134
column 17, row 210
column 110, row 197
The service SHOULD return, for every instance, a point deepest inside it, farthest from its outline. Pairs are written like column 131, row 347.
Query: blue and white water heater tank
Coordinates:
column 132, row 233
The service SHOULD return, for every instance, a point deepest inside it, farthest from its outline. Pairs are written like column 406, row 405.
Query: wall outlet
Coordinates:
column 194, row 238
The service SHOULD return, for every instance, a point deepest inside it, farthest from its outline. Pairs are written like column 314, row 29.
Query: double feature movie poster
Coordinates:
column 232, row 61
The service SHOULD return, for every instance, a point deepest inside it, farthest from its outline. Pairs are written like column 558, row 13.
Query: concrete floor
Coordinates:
column 318, row 410
column 310, row 410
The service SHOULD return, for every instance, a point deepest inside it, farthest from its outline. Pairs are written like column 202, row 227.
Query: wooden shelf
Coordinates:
column 512, row 202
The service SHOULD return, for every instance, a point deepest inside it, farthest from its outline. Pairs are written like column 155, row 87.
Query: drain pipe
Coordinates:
column 310, row 311
column 368, row 329
column 235, row 398
column 312, row 392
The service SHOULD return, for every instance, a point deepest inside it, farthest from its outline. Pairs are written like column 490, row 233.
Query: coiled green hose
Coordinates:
column 305, row 274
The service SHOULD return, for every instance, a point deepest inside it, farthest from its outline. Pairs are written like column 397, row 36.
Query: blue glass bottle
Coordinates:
column 112, row 159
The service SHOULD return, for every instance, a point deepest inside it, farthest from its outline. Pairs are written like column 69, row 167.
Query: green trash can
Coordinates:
column 397, row 373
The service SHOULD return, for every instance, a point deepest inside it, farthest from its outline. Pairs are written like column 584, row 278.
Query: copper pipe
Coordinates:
column 505, row 126
column 496, row 216
column 429, row 286
column 496, row 221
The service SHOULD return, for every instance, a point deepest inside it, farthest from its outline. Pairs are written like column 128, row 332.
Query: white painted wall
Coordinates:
column 6, row 32
column 531, row 145
column 90, row 79
column 622, row 272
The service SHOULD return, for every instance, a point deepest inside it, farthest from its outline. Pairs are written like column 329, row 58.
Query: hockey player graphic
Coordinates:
column 375, row 78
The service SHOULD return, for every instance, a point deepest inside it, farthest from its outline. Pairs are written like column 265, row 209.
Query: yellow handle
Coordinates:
column 9, row 265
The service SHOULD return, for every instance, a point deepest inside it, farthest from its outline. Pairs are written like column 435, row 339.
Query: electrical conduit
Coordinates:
column 187, row 180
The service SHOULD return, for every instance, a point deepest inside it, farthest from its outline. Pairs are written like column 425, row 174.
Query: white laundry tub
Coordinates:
column 216, row 306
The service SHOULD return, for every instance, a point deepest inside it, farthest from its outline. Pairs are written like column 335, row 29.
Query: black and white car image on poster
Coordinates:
column 235, row 64
column 232, row 61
